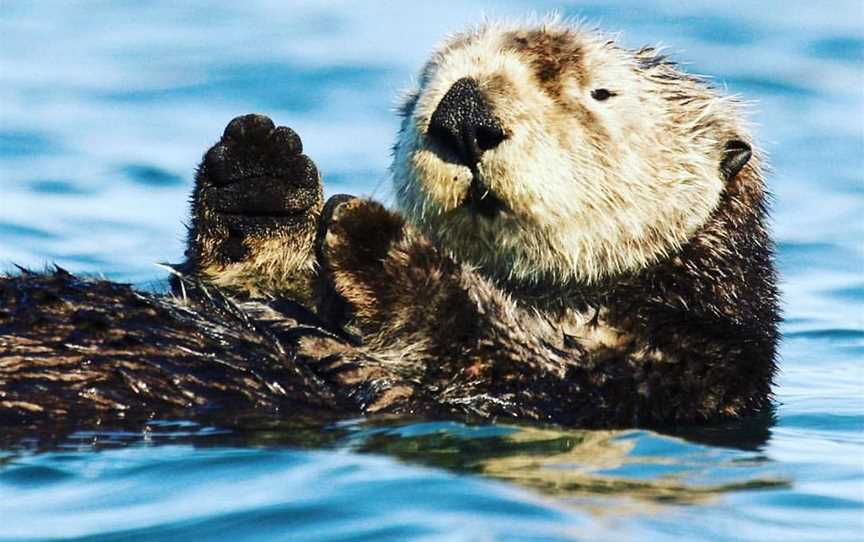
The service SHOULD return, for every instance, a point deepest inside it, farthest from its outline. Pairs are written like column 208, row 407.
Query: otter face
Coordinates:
column 552, row 153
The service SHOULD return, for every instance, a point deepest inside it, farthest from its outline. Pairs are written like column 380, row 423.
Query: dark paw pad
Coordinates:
column 256, row 176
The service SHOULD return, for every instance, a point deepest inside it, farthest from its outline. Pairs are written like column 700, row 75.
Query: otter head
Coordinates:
column 553, row 153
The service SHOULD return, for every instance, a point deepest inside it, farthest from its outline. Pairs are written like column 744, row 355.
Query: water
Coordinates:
column 105, row 108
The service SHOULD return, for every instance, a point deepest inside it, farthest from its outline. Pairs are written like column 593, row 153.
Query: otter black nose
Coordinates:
column 463, row 123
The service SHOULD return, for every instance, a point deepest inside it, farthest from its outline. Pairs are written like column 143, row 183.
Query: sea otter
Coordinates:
column 580, row 238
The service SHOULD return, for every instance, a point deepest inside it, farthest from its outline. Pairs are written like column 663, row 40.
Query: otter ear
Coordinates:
column 735, row 156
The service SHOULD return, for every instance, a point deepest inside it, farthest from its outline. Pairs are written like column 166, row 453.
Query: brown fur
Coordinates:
column 255, row 211
column 653, row 317
column 553, row 55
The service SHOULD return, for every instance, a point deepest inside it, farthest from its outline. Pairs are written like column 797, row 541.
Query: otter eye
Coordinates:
column 601, row 94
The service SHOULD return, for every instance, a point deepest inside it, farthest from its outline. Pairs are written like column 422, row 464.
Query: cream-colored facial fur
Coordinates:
column 593, row 189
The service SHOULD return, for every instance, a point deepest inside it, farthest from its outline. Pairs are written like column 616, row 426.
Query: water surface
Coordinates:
column 105, row 109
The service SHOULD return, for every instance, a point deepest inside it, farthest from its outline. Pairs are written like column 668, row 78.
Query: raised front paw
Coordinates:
column 255, row 208
column 382, row 269
column 357, row 238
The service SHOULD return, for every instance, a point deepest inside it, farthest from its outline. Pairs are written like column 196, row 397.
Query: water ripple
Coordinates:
column 106, row 110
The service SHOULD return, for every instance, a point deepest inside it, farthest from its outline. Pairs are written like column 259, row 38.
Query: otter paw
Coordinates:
column 256, row 179
column 257, row 201
column 358, row 243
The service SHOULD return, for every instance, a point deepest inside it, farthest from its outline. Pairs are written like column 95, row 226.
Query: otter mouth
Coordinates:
column 482, row 200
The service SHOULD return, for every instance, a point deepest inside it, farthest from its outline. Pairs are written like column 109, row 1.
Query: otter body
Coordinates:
column 580, row 239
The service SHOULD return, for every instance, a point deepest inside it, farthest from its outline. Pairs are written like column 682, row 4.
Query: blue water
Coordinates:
column 105, row 109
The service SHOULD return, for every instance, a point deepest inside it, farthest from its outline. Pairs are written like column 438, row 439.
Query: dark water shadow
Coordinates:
column 57, row 187
column 151, row 176
column 26, row 144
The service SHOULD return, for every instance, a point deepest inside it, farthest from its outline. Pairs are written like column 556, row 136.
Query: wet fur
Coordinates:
column 594, row 189
column 643, row 297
